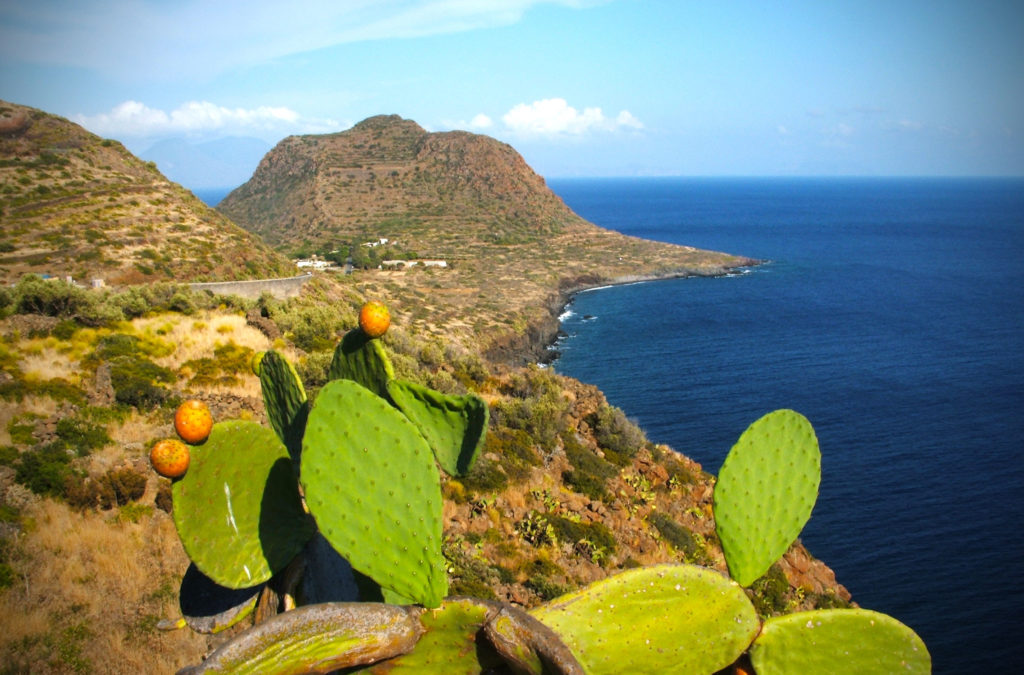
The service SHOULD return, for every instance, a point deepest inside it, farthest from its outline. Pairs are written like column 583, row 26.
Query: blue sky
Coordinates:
column 590, row 88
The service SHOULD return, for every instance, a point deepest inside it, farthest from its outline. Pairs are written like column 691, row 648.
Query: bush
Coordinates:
column 515, row 447
column 620, row 438
column 687, row 543
column 228, row 362
column 597, row 534
column 485, row 476
column 134, row 381
column 44, row 471
column 35, row 295
column 590, row 473
column 118, row 487
column 81, row 436
column 8, row 455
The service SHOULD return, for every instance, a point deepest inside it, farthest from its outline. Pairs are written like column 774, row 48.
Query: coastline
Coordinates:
column 537, row 345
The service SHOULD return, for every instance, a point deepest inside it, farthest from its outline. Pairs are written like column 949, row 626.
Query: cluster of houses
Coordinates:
column 316, row 263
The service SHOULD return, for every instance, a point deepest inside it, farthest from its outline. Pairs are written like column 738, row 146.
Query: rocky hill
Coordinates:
column 74, row 204
column 512, row 249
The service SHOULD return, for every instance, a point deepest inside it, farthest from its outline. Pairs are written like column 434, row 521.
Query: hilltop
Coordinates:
column 513, row 251
column 74, row 204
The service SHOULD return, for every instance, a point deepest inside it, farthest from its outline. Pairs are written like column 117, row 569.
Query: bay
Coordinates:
column 890, row 312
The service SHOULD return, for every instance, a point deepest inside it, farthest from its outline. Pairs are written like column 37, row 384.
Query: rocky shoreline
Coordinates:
column 535, row 344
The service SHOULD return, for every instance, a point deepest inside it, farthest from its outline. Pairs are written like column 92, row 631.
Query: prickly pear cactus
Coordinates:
column 765, row 492
column 528, row 645
column 664, row 618
column 237, row 510
column 285, row 400
column 372, row 485
column 318, row 639
column 363, row 360
column 208, row 607
column 448, row 645
column 454, row 426
column 833, row 641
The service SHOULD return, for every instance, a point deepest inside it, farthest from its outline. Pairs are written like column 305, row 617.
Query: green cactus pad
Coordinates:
column 664, row 618
column 237, row 510
column 209, row 607
column 765, row 492
column 317, row 639
column 362, row 360
column 454, row 426
column 285, row 400
column 372, row 485
column 834, row 641
column 448, row 645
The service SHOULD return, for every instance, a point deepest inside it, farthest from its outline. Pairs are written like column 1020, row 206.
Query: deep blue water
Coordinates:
column 892, row 316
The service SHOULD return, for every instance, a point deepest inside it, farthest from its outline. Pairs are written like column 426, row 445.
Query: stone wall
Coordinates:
column 279, row 288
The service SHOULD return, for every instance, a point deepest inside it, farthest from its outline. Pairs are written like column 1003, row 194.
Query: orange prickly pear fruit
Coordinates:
column 193, row 421
column 374, row 319
column 169, row 458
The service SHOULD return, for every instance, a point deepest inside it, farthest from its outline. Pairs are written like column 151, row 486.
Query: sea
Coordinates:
column 889, row 312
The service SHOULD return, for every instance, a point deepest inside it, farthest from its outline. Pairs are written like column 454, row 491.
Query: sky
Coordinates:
column 578, row 87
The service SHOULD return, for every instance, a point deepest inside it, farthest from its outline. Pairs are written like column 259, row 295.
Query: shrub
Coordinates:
column 118, row 487
column 57, row 389
column 8, row 455
column 228, row 362
column 590, row 473
column 313, row 371
column 620, row 438
column 44, row 470
column 597, row 534
column 690, row 545
column 164, row 498
column 485, row 476
column 82, row 436
column 515, row 447
column 769, row 593
column 134, row 381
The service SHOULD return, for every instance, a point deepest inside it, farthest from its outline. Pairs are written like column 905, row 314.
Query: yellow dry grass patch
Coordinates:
column 89, row 590
column 141, row 428
column 47, row 365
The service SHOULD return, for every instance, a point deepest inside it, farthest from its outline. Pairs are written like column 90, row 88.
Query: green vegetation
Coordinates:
column 589, row 473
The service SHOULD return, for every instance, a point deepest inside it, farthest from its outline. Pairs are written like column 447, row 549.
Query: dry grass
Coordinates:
column 90, row 589
column 49, row 364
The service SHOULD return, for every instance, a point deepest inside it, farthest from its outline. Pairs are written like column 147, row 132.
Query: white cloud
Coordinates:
column 133, row 119
column 481, row 121
column 783, row 131
column 555, row 117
